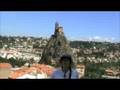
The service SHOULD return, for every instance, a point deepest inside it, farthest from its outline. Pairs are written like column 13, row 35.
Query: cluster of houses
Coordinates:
column 16, row 54
column 111, row 74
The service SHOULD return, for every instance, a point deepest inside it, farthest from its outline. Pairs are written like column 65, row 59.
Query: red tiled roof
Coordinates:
column 22, row 71
column 5, row 65
column 35, row 67
column 44, row 68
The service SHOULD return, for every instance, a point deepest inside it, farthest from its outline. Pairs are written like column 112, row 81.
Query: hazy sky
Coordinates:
column 76, row 25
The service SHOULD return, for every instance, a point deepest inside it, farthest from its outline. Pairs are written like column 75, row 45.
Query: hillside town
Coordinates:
column 31, row 51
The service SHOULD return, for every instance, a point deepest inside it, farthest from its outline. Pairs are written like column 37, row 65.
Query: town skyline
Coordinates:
column 76, row 25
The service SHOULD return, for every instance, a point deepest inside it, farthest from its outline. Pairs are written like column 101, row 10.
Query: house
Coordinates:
column 111, row 74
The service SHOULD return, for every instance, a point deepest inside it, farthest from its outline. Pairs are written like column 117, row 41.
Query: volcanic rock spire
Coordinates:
column 56, row 47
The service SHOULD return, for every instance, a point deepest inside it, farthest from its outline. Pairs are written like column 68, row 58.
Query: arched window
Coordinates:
column 59, row 43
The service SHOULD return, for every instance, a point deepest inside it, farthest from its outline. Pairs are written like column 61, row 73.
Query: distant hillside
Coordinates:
column 91, row 44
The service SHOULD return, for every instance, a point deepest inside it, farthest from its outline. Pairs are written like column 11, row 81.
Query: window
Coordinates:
column 59, row 43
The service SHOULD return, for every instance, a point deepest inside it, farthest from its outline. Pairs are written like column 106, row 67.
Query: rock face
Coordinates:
column 56, row 47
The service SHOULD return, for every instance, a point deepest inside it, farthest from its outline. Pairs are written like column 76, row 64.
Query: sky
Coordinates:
column 77, row 25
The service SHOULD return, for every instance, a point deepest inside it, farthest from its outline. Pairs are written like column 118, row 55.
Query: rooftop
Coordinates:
column 40, row 69
column 5, row 65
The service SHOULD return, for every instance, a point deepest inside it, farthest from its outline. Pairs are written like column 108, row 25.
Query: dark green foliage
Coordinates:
column 95, row 71
column 13, row 61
